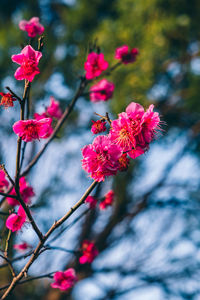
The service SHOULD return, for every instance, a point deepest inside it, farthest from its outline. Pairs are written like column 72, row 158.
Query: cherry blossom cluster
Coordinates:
column 129, row 135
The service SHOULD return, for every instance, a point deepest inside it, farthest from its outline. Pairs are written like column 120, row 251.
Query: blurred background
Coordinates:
column 149, row 240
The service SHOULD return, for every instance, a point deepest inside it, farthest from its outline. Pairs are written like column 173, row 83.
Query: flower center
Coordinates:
column 28, row 65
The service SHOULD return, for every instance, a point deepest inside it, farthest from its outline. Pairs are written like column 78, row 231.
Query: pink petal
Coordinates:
column 18, row 58
column 22, row 24
column 19, row 74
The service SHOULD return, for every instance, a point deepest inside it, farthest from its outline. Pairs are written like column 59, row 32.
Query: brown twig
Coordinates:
column 106, row 117
column 6, row 254
column 15, row 95
column 7, row 195
column 40, row 245
column 48, row 275
column 2, row 166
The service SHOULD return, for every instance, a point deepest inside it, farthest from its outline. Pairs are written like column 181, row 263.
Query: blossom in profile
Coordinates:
column 89, row 252
column 3, row 182
column 101, row 91
column 135, row 129
column 98, row 126
column 30, row 130
column 125, row 55
column 26, row 192
column 150, row 125
column 100, row 158
column 91, row 201
column 32, row 27
column 64, row 280
column 7, row 100
column 22, row 247
column 95, row 65
column 108, row 200
column 16, row 220
column 54, row 110
column 28, row 60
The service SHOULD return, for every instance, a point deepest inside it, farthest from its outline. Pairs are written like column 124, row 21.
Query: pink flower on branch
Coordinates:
column 16, row 220
column 98, row 126
column 30, row 130
column 53, row 110
column 125, row 55
column 43, row 116
column 22, row 247
column 92, row 201
column 26, row 192
column 7, row 100
column 101, row 91
column 89, row 251
column 101, row 158
column 3, row 182
column 28, row 60
column 32, row 27
column 64, row 280
column 135, row 129
column 95, row 65
column 108, row 200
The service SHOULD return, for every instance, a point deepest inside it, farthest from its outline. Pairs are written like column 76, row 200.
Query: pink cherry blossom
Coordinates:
column 3, row 182
column 95, row 65
column 101, row 158
column 32, row 27
column 26, row 192
column 150, row 121
column 41, row 117
column 92, row 201
column 108, row 200
column 28, row 60
column 135, row 129
column 53, row 110
column 125, row 55
column 7, row 100
column 122, row 132
column 30, row 130
column 89, row 251
column 98, row 126
column 16, row 220
column 64, row 280
column 101, row 91
column 21, row 247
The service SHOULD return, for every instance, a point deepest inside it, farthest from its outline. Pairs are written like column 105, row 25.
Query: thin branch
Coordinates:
column 15, row 95
column 69, row 226
column 49, row 247
column 19, row 140
column 2, row 166
column 6, row 254
column 40, row 245
column 106, row 118
column 48, row 275
column 7, row 195
column 4, row 198
column 17, row 258
column 28, row 213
